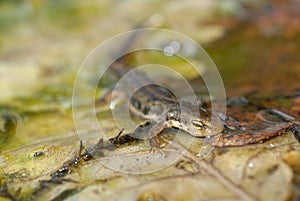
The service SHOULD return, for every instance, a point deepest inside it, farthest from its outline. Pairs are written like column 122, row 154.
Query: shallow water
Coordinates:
column 254, row 45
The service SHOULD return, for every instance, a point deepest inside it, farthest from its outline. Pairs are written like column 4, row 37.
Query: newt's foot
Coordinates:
column 121, row 140
column 157, row 144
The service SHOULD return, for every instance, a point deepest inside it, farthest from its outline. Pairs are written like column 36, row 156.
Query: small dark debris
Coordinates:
column 61, row 172
column 38, row 154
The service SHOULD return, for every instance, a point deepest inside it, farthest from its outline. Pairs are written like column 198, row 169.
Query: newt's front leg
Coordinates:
column 146, row 131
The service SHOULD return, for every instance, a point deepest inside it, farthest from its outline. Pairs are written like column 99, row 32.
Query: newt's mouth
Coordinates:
column 215, row 128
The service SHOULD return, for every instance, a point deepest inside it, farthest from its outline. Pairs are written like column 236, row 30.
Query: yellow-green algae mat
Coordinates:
column 252, row 172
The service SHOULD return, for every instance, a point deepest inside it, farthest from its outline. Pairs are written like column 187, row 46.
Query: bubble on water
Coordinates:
column 172, row 48
column 175, row 45
column 169, row 51
column 112, row 105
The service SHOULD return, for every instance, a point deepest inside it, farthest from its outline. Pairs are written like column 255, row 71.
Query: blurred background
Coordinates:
column 43, row 42
column 255, row 45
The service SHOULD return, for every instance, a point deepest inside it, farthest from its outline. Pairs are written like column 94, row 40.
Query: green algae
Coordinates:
column 47, row 138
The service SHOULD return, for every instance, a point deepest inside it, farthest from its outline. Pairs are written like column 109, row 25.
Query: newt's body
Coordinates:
column 160, row 108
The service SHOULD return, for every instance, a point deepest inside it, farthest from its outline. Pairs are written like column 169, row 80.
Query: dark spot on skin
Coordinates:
column 136, row 103
column 174, row 115
column 146, row 110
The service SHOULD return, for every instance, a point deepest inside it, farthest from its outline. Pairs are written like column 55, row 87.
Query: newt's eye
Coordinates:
column 197, row 124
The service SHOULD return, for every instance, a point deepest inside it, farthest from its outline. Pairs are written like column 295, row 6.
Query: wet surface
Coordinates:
column 255, row 48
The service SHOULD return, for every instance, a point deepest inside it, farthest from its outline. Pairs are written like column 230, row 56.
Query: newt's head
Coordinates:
column 197, row 122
